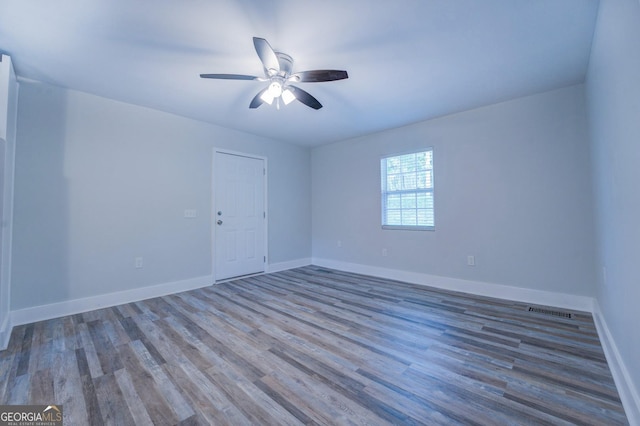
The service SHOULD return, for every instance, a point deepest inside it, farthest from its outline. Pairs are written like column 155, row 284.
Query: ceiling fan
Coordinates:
column 278, row 68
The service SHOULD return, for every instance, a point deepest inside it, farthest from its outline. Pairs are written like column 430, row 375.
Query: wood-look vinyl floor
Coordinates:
column 314, row 346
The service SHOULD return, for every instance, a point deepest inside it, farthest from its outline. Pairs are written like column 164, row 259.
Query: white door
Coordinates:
column 239, row 215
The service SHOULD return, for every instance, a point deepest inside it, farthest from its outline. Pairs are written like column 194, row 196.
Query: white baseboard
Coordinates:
column 628, row 391
column 76, row 306
column 499, row 291
column 291, row 264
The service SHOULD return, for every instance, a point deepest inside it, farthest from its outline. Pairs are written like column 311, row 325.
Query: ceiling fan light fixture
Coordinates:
column 267, row 97
column 275, row 89
column 288, row 96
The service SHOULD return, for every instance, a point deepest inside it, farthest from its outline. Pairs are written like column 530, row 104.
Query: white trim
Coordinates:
column 6, row 219
column 384, row 192
column 290, row 264
column 499, row 291
column 628, row 392
column 213, row 204
column 5, row 332
column 76, row 306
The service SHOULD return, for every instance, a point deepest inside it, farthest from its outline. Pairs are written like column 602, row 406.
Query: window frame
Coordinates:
column 384, row 192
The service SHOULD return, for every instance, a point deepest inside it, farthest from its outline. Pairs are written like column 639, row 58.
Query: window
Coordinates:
column 407, row 191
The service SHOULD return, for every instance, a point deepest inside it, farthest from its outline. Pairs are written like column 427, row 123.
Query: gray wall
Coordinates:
column 100, row 182
column 512, row 188
column 613, row 93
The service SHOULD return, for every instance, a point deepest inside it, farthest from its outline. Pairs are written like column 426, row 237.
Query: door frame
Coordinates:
column 212, row 216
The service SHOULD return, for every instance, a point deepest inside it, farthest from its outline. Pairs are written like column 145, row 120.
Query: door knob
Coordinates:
column 219, row 222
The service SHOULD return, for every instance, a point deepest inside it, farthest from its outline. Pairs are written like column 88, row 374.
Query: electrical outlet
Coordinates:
column 339, row 243
column 471, row 260
column 137, row 262
column 384, row 252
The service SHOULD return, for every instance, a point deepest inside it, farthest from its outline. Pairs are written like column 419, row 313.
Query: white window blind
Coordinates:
column 407, row 191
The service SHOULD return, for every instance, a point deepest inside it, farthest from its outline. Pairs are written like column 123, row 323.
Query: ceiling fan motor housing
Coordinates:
column 286, row 64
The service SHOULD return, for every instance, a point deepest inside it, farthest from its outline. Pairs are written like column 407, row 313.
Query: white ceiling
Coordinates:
column 408, row 60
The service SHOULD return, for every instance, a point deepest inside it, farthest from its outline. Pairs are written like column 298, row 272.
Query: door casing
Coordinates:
column 214, row 217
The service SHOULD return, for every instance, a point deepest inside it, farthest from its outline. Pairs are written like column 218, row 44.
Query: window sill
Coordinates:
column 409, row 228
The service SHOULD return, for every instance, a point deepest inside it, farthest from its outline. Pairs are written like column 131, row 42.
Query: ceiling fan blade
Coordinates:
column 305, row 98
column 230, row 76
column 267, row 55
column 257, row 100
column 316, row 76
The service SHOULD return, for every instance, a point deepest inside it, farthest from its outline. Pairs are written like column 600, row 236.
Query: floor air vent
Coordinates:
column 550, row 312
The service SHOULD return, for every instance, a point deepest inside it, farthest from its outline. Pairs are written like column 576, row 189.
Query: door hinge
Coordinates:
column 264, row 215
column 264, row 259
